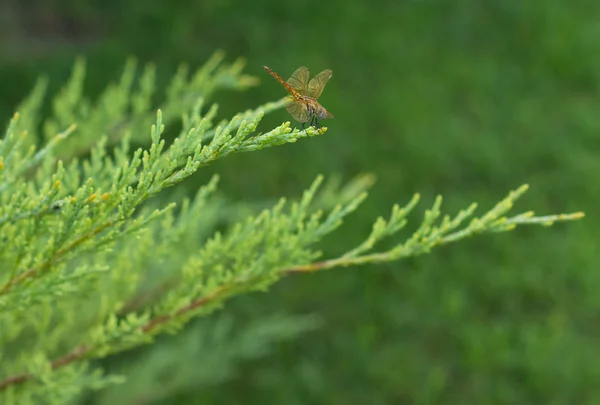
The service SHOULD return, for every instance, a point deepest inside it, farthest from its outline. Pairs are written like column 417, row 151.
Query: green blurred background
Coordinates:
column 465, row 98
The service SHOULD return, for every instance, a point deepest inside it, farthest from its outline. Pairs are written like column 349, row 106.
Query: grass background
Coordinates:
column 465, row 98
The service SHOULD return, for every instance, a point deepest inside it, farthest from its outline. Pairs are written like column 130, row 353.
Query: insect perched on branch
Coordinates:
column 303, row 105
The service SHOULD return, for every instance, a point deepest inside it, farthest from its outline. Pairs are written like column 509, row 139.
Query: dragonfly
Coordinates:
column 303, row 105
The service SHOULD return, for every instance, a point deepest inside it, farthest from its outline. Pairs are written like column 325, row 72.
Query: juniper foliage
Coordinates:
column 92, row 264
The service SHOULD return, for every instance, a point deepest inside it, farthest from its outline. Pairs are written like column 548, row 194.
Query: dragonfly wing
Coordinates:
column 316, row 85
column 298, row 111
column 299, row 80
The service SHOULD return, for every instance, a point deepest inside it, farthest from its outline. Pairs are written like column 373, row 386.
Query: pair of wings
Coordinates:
column 313, row 88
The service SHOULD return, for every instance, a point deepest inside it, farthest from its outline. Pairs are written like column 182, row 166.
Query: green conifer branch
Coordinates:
column 90, row 226
column 426, row 237
column 157, row 173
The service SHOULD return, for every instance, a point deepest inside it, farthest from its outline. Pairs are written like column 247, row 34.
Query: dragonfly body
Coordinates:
column 303, row 105
column 314, row 108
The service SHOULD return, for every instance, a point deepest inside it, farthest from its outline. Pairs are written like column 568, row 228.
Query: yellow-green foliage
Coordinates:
column 93, row 262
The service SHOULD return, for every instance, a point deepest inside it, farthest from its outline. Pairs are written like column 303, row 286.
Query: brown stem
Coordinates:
column 68, row 358
column 82, row 350
column 153, row 323
column 54, row 259
column 144, row 298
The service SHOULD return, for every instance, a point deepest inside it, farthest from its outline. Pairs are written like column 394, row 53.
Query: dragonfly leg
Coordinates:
column 309, row 124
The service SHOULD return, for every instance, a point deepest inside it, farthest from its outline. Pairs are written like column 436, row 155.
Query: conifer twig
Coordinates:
column 405, row 251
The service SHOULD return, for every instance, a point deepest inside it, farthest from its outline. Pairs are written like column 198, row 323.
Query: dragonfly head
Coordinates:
column 323, row 114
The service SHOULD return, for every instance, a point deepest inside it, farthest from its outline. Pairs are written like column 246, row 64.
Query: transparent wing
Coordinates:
column 299, row 80
column 298, row 111
column 316, row 85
